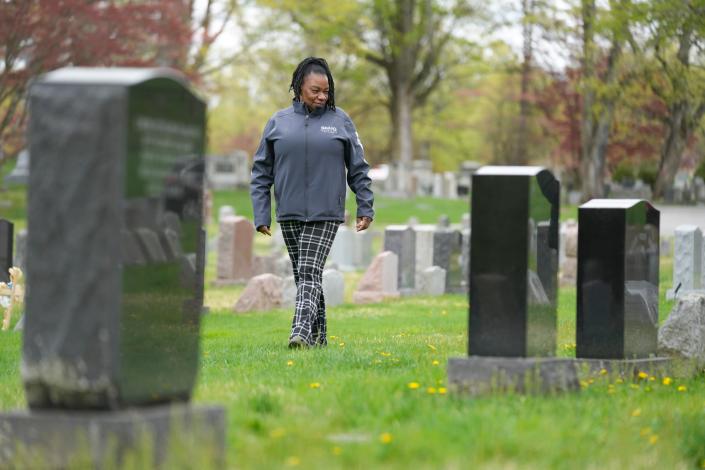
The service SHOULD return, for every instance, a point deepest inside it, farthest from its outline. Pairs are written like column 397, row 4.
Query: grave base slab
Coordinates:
column 477, row 375
column 153, row 435
column 626, row 368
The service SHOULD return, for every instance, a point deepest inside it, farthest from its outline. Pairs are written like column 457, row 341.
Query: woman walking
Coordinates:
column 308, row 151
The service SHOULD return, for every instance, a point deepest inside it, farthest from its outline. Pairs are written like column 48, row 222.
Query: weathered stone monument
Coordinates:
column 401, row 240
column 688, row 258
column 513, row 274
column 6, row 242
column 111, row 331
column 618, row 263
column 235, row 250
column 379, row 281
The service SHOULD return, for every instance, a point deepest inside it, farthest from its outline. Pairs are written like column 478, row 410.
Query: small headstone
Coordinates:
column 451, row 185
column 288, row 292
column 150, row 245
column 235, row 249
column 333, row 287
column 448, row 254
column 687, row 260
column 683, row 332
column 263, row 292
column 379, row 281
column 432, row 281
column 363, row 248
column 342, row 251
column 444, row 221
column 225, row 211
column 424, row 249
column 6, row 242
column 465, row 220
column 21, row 249
column 401, row 240
column 617, row 295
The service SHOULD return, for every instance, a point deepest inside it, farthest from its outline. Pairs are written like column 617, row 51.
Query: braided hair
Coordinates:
column 306, row 67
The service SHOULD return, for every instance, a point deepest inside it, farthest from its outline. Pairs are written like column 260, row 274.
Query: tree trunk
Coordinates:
column 521, row 149
column 672, row 148
column 402, row 133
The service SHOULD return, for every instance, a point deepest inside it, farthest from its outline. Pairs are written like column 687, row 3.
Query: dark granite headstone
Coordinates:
column 447, row 253
column 401, row 240
column 618, row 256
column 109, row 321
column 6, row 240
column 512, row 293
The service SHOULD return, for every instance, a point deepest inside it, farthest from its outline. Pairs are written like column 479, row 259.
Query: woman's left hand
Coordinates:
column 362, row 223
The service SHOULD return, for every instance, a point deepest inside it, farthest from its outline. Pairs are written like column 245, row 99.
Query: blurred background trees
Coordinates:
column 596, row 89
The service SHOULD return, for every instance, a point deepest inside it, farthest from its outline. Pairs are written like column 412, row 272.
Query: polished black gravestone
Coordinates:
column 6, row 239
column 112, row 325
column 513, row 262
column 513, row 274
column 618, row 275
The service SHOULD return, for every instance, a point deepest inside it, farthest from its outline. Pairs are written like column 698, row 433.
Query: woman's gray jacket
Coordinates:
column 305, row 156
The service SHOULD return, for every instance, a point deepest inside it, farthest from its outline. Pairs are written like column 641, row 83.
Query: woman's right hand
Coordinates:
column 264, row 229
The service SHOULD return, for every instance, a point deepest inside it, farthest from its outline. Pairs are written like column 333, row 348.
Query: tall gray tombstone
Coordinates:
column 401, row 240
column 108, row 328
column 6, row 241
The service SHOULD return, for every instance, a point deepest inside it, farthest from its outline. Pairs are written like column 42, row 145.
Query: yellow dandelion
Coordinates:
column 413, row 385
column 603, row 371
column 584, row 384
column 636, row 412
column 442, row 390
column 289, row 363
column 337, row 450
column 314, row 385
column 431, row 390
column 277, row 433
column 292, row 461
column 385, row 354
column 591, row 381
column 385, row 438
column 682, row 388
column 652, row 379
column 653, row 439
column 643, row 375
column 333, row 337
column 341, row 344
column 667, row 381
column 435, row 362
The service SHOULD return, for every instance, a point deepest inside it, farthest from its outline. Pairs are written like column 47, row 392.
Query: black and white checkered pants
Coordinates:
column 308, row 244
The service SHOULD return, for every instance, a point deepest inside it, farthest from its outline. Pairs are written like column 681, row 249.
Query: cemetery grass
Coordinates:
column 377, row 397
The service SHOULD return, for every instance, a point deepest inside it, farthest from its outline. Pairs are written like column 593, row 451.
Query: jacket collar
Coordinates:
column 300, row 108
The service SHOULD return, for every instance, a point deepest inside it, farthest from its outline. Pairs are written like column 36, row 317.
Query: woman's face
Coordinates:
column 314, row 91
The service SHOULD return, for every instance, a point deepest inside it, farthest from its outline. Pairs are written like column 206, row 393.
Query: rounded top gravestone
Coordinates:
column 112, row 318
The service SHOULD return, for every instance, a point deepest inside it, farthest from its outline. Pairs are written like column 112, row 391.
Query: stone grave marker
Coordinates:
column 379, row 281
column 447, row 254
column 512, row 321
column 401, row 240
column 20, row 249
column 618, row 263
column 235, row 250
column 333, row 287
column 342, row 252
column 225, row 211
column 508, row 206
column 687, row 261
column 424, row 249
column 6, row 242
column 110, row 348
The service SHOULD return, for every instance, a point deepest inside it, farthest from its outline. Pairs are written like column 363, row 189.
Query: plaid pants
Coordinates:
column 308, row 244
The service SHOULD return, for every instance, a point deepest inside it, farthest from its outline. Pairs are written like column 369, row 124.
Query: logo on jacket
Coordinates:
column 329, row 129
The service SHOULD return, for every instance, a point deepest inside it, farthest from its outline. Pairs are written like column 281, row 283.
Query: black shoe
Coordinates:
column 297, row 341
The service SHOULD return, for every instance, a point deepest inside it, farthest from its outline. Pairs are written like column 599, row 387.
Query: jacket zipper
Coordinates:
column 306, row 166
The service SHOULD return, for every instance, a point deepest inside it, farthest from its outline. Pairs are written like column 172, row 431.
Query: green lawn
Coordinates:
column 377, row 398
